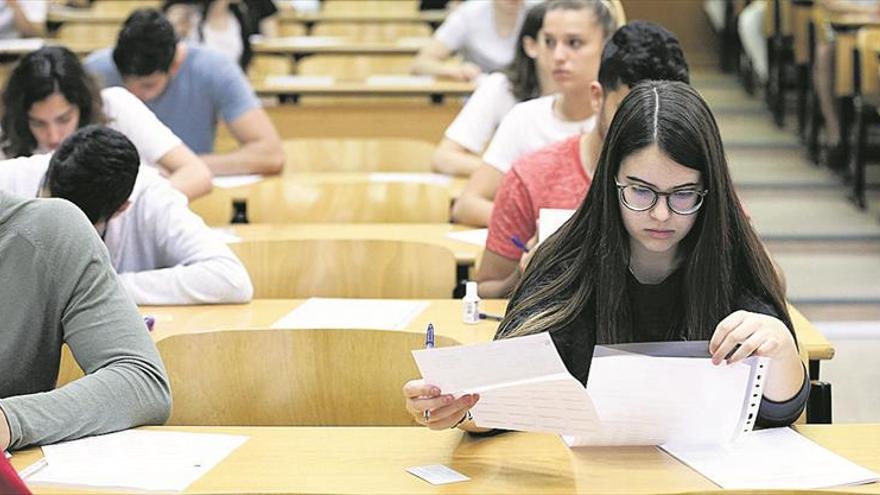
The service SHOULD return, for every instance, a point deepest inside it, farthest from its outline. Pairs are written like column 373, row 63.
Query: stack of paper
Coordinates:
column 137, row 459
column 379, row 314
column 277, row 80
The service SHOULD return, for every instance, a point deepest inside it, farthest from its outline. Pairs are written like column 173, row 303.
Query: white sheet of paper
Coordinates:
column 776, row 458
column 136, row 459
column 416, row 178
column 22, row 44
column 398, row 80
column 225, row 235
column 522, row 382
column 288, row 80
column 437, row 474
column 643, row 400
column 549, row 221
column 381, row 314
column 232, row 181
column 476, row 237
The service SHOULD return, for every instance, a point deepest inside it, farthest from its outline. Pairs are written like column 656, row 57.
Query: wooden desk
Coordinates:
column 455, row 186
column 369, row 460
column 445, row 314
column 80, row 48
column 311, row 45
column 60, row 15
column 466, row 254
column 436, row 90
column 430, row 16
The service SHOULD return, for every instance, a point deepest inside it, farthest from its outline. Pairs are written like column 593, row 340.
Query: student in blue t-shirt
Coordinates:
column 190, row 88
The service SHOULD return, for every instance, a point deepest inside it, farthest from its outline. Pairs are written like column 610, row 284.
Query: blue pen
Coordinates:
column 519, row 244
column 429, row 344
column 149, row 321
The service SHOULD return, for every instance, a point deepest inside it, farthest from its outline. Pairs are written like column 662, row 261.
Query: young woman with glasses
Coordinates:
column 660, row 250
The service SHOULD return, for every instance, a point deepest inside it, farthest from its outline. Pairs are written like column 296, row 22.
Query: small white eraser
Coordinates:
column 437, row 474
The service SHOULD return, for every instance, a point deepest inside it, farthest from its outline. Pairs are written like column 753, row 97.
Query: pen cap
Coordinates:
column 470, row 290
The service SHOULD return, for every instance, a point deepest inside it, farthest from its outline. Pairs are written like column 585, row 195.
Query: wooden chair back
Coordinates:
column 868, row 44
column 373, row 31
column 280, row 200
column 291, row 377
column 263, row 65
column 123, row 7
column 373, row 7
column 358, row 155
column 302, row 268
column 354, row 67
column 100, row 33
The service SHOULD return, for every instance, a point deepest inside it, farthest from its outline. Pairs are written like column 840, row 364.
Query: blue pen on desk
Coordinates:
column 519, row 244
column 429, row 344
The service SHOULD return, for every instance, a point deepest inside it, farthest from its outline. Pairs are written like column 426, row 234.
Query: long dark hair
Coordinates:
column 522, row 72
column 39, row 74
column 584, row 265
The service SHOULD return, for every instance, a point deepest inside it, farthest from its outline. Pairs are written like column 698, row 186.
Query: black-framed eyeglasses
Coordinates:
column 643, row 198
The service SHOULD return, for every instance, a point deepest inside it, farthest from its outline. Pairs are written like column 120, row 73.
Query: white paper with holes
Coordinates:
column 633, row 397
column 653, row 393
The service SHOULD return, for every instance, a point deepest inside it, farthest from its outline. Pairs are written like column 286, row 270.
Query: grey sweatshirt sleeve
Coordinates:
column 125, row 383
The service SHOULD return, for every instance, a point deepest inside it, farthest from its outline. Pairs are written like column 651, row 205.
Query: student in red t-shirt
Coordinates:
column 559, row 175
column 10, row 482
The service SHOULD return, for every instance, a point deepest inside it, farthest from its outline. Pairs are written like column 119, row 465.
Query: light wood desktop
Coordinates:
column 370, row 460
column 445, row 314
column 310, row 45
column 429, row 16
column 466, row 254
column 436, row 90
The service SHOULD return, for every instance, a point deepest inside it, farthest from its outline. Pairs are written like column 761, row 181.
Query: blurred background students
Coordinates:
column 22, row 18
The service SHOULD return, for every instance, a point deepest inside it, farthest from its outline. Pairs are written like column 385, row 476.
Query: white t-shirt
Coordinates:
column 476, row 122
column 34, row 10
column 164, row 253
column 528, row 126
column 470, row 31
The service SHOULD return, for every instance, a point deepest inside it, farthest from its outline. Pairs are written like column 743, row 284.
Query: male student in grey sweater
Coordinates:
column 58, row 287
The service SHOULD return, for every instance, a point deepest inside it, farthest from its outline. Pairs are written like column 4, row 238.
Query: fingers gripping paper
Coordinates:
column 631, row 399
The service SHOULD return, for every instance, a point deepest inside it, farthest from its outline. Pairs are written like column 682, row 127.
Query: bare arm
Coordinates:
column 497, row 276
column 430, row 61
column 269, row 26
column 187, row 172
column 259, row 150
column 22, row 24
column 474, row 207
column 454, row 159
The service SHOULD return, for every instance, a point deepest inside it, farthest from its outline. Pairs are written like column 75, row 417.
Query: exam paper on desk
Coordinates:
column 631, row 399
column 380, row 314
column 139, row 459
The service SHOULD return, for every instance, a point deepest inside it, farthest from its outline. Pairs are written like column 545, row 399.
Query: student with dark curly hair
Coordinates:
column 660, row 250
column 559, row 175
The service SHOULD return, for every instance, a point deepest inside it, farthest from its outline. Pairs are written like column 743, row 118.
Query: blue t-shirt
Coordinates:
column 207, row 87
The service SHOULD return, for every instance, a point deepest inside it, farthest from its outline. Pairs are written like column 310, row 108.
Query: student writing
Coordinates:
column 190, row 88
column 49, row 96
column 164, row 253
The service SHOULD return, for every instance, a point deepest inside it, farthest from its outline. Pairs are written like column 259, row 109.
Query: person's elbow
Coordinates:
column 272, row 157
column 202, row 181
column 440, row 161
column 242, row 289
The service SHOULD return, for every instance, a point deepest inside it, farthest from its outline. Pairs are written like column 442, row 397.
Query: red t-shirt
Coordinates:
column 551, row 177
column 10, row 483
